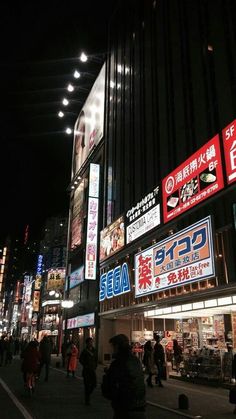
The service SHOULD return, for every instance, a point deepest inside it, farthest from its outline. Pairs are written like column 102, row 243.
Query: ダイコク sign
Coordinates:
column 114, row 282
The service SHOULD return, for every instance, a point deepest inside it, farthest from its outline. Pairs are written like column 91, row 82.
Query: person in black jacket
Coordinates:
column 123, row 382
column 159, row 359
column 88, row 359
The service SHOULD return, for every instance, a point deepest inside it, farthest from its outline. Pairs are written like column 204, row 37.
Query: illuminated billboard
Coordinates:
column 112, row 238
column 77, row 216
column 92, row 223
column 89, row 126
column 114, row 282
column 195, row 180
column 55, row 279
column 229, row 142
column 184, row 257
column 143, row 216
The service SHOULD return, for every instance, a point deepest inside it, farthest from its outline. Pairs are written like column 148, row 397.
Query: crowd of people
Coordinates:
column 123, row 382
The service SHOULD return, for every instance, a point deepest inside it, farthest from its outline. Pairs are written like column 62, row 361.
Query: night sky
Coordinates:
column 40, row 43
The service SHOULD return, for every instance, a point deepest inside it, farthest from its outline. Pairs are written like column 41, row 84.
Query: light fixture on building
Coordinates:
column 76, row 74
column 67, row 303
column 83, row 57
column 65, row 101
column 70, row 88
column 68, row 130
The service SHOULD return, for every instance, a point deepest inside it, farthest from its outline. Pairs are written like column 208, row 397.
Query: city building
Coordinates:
column 153, row 199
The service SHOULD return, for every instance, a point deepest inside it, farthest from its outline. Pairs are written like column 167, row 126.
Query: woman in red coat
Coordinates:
column 72, row 360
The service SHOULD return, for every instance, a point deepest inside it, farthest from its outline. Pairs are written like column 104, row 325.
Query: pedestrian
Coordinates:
column 2, row 349
column 159, row 359
column 72, row 360
column 9, row 350
column 63, row 352
column 45, row 349
column 31, row 361
column 88, row 360
column 123, row 381
column 177, row 354
column 16, row 346
column 148, row 362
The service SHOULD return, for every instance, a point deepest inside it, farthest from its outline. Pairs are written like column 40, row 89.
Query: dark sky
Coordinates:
column 40, row 43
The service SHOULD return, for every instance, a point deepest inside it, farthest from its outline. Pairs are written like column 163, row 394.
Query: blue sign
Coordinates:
column 40, row 265
column 114, row 282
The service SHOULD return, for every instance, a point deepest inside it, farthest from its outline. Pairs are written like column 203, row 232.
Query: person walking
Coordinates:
column 30, row 364
column 159, row 359
column 2, row 349
column 148, row 362
column 123, row 381
column 177, row 354
column 45, row 349
column 88, row 359
column 9, row 350
column 72, row 360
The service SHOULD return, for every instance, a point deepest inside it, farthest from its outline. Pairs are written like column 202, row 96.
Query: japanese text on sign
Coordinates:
column 229, row 140
column 184, row 257
column 195, row 180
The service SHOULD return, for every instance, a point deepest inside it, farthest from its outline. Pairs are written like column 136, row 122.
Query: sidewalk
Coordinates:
column 208, row 402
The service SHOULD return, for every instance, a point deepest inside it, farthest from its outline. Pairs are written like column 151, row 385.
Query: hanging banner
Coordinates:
column 229, row 141
column 195, row 180
column 184, row 257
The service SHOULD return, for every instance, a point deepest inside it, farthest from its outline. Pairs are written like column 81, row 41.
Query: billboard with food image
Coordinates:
column 195, row 180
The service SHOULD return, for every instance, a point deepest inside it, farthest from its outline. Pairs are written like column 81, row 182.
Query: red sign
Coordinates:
column 195, row 180
column 229, row 140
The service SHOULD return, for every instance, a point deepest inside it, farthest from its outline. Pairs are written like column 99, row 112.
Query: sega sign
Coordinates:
column 114, row 282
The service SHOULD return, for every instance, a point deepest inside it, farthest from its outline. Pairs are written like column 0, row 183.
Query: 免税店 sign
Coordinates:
column 229, row 142
column 195, row 180
column 114, row 282
column 184, row 257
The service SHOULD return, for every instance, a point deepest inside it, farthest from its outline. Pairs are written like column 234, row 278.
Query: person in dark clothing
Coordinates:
column 148, row 362
column 2, row 349
column 45, row 350
column 123, row 382
column 159, row 359
column 9, row 350
column 88, row 360
column 177, row 354
column 31, row 360
column 16, row 346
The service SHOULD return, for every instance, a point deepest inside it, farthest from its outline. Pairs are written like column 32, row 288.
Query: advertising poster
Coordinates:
column 192, row 182
column 89, row 126
column 143, row 216
column 56, row 279
column 77, row 216
column 112, row 239
column 76, row 277
column 184, row 257
column 229, row 141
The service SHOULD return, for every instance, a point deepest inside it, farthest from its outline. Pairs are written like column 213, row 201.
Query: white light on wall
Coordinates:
column 76, row 74
column 83, row 57
column 67, row 303
column 60, row 114
column 70, row 88
column 65, row 102
column 68, row 131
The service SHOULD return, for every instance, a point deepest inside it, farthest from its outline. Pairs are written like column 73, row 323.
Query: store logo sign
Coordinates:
column 114, row 282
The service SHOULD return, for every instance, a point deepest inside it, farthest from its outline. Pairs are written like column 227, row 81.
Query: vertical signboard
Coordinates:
column 195, row 180
column 229, row 141
column 92, row 223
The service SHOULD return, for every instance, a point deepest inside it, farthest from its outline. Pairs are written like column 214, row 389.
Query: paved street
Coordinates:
column 63, row 398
